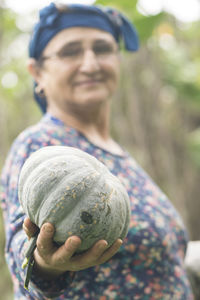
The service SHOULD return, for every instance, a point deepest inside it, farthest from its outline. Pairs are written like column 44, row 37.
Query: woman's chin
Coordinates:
column 93, row 97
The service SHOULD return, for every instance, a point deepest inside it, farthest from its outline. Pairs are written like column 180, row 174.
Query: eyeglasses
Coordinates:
column 74, row 50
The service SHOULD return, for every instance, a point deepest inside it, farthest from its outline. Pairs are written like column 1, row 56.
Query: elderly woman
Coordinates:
column 75, row 63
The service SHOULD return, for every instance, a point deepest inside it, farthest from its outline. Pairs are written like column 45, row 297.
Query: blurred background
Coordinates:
column 156, row 110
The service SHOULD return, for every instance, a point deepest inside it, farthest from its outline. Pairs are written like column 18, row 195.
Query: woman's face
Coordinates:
column 80, row 68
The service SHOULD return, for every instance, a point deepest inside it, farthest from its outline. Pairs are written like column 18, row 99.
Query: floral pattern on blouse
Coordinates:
column 149, row 264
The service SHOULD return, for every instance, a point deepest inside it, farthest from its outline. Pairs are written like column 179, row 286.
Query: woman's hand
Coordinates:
column 51, row 261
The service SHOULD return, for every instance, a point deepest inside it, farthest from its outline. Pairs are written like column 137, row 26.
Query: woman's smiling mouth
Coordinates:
column 88, row 82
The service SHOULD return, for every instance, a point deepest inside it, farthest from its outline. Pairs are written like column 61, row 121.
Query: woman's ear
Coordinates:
column 34, row 69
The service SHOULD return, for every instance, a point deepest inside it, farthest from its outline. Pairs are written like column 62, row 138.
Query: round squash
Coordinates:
column 77, row 193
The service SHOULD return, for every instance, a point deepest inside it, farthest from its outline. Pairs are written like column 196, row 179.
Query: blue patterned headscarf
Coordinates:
column 54, row 18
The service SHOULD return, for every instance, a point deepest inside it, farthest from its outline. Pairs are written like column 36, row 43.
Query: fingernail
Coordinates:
column 24, row 227
column 73, row 242
column 48, row 228
column 103, row 246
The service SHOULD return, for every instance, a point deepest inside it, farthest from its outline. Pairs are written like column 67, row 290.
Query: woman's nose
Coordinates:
column 89, row 62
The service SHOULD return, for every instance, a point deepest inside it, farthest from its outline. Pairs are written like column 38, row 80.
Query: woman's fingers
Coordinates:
column 110, row 251
column 89, row 258
column 98, row 249
column 62, row 259
column 29, row 227
column 97, row 255
column 66, row 251
column 45, row 243
column 71, row 245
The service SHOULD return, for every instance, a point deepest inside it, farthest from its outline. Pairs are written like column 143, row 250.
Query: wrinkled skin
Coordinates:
column 51, row 261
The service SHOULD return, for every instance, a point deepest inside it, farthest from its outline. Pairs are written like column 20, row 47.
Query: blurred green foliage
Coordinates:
column 157, row 104
column 194, row 146
column 177, row 48
column 144, row 25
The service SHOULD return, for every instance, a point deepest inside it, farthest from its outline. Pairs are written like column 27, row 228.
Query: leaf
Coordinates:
column 144, row 24
column 125, row 5
column 147, row 24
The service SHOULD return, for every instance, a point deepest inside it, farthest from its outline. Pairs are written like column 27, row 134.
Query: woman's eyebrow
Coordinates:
column 80, row 42
column 102, row 41
column 71, row 44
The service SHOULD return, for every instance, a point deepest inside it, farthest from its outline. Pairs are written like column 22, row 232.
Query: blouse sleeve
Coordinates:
column 16, row 240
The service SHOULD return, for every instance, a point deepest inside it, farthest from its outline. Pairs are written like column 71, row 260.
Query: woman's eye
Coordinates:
column 70, row 52
column 103, row 49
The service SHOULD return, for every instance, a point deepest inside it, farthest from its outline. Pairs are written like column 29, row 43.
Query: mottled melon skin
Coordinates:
column 75, row 192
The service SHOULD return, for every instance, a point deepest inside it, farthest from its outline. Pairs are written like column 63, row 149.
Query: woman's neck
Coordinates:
column 93, row 125
column 93, row 122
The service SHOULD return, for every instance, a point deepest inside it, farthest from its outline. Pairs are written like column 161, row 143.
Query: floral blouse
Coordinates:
column 150, row 263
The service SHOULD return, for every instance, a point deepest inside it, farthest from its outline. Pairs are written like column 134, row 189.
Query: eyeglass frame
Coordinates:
column 81, row 53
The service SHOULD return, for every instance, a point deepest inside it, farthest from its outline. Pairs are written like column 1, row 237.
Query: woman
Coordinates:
column 75, row 62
